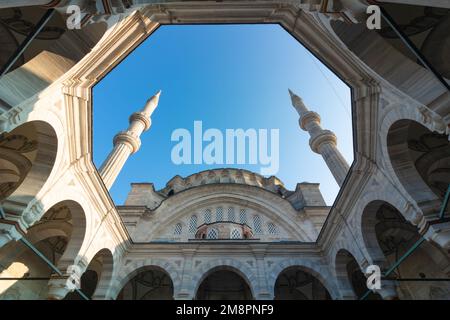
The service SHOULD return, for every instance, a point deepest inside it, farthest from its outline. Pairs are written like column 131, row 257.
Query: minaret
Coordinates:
column 322, row 141
column 127, row 142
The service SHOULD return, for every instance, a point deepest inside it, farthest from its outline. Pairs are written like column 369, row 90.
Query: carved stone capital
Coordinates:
column 60, row 286
column 388, row 290
column 8, row 232
column 439, row 233
column 32, row 213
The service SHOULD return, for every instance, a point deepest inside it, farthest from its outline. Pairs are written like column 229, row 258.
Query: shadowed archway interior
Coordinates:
column 224, row 285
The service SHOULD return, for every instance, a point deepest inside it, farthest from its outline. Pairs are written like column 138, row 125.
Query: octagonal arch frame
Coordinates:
column 127, row 34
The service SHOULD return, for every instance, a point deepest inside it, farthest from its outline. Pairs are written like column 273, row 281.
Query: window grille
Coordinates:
column 193, row 224
column 231, row 216
column 243, row 216
column 208, row 216
column 219, row 214
column 257, row 224
column 235, row 234
column 177, row 229
column 272, row 228
column 213, row 234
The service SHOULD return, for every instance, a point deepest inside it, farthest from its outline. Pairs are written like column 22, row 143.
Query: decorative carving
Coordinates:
column 33, row 213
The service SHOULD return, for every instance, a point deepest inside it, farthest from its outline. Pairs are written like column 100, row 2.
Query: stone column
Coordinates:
column 439, row 233
column 60, row 286
column 186, row 287
column 388, row 290
column 323, row 142
column 263, row 292
column 127, row 142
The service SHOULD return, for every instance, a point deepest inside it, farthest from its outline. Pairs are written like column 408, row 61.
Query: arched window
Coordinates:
column 235, row 234
column 208, row 216
column 177, row 230
column 231, row 216
column 213, row 234
column 257, row 224
column 219, row 214
column 193, row 224
column 272, row 228
column 243, row 216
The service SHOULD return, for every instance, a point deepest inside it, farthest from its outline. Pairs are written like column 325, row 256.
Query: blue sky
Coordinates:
column 229, row 77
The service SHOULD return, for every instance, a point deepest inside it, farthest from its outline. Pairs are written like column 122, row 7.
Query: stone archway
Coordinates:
column 233, row 265
column 58, row 236
column 295, row 283
column 350, row 277
column 148, row 283
column 388, row 236
column 27, row 156
column 96, row 280
column 316, row 268
column 223, row 283
column 421, row 160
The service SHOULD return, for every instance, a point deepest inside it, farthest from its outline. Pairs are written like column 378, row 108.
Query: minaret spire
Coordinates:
column 128, row 142
column 323, row 142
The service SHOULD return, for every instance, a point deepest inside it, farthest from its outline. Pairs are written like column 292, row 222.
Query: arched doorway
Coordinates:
column 295, row 283
column 224, row 284
column 388, row 236
column 421, row 161
column 350, row 276
column 57, row 236
column 148, row 283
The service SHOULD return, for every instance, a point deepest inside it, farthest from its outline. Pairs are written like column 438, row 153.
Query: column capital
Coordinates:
column 388, row 290
column 183, row 295
column 32, row 214
column 8, row 232
column 264, row 295
column 439, row 233
column 60, row 286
